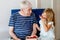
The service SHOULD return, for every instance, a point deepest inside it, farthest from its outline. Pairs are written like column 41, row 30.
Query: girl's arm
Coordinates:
column 47, row 27
column 35, row 28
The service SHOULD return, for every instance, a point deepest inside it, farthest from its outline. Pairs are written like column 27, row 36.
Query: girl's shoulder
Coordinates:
column 40, row 21
column 51, row 22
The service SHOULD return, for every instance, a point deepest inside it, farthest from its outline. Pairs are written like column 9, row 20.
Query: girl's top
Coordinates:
column 49, row 33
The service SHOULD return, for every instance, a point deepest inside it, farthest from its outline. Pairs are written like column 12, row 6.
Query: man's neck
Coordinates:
column 24, row 14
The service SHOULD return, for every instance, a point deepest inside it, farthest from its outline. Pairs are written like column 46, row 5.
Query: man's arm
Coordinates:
column 12, row 33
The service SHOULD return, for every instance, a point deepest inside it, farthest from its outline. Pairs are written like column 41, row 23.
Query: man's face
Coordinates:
column 28, row 10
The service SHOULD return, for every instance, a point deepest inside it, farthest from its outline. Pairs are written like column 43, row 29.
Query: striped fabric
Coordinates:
column 23, row 25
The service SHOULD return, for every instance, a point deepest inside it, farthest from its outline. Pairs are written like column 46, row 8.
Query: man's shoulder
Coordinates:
column 15, row 14
column 33, row 14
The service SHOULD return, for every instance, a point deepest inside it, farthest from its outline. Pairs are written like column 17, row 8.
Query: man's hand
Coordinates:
column 11, row 32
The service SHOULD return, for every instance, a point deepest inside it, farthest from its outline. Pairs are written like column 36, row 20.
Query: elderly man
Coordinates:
column 21, row 23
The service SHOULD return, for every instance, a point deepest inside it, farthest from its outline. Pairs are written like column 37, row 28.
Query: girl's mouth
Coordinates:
column 42, row 17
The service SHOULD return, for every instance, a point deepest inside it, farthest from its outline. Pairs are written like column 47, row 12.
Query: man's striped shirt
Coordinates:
column 23, row 25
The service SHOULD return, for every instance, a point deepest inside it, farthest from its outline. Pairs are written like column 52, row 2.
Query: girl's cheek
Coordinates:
column 44, row 15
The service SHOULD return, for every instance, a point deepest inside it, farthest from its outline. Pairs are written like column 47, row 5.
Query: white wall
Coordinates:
column 5, row 11
column 46, row 3
column 56, row 7
column 34, row 5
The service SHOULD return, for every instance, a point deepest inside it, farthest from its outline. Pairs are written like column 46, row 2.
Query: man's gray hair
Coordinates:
column 25, row 4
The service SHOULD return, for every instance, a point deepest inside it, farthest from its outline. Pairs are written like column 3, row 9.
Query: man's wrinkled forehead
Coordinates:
column 26, row 4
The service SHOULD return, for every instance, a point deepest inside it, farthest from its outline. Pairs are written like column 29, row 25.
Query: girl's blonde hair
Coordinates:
column 50, row 15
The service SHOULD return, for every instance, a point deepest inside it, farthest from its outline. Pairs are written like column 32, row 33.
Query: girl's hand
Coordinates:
column 43, row 18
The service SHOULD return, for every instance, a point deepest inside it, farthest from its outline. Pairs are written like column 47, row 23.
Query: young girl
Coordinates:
column 47, row 24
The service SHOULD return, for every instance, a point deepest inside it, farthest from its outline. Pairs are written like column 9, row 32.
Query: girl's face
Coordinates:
column 44, row 15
